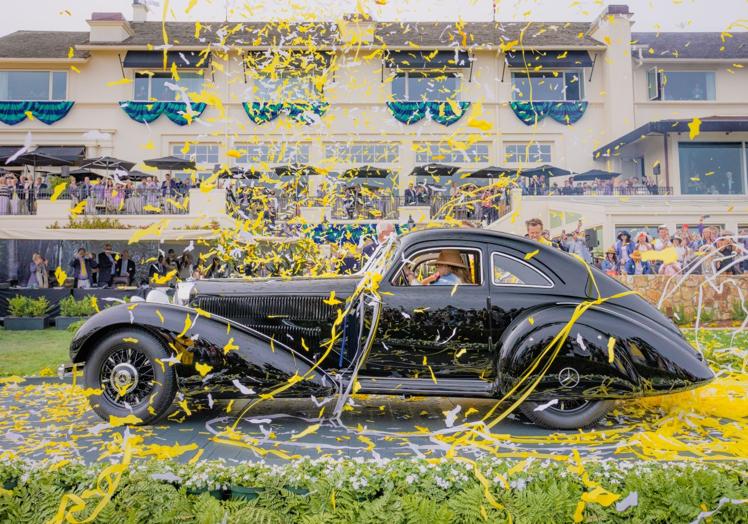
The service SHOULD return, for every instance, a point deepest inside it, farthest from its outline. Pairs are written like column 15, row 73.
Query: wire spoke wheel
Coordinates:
column 126, row 377
column 569, row 406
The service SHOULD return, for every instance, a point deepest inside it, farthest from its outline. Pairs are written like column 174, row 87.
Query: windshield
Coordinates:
column 380, row 259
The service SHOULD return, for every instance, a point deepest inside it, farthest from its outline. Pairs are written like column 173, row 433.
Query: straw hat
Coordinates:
column 636, row 255
column 450, row 257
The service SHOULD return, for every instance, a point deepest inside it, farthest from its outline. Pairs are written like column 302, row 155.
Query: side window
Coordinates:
column 441, row 267
column 510, row 271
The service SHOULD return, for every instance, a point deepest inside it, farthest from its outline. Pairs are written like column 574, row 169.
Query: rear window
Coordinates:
column 510, row 271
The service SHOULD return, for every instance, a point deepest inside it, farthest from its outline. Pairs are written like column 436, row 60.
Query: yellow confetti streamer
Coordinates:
column 122, row 421
column 667, row 256
column 611, row 346
column 694, row 128
column 331, row 300
column 203, row 369
column 60, row 276
column 308, row 431
column 59, row 188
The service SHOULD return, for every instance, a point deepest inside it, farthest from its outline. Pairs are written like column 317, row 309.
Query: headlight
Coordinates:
column 157, row 296
column 183, row 293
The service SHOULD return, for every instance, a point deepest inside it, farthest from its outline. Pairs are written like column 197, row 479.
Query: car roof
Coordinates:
column 463, row 233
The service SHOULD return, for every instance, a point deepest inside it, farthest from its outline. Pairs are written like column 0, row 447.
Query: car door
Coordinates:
column 516, row 286
column 433, row 332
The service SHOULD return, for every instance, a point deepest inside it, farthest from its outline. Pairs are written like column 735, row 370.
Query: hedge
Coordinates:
column 535, row 490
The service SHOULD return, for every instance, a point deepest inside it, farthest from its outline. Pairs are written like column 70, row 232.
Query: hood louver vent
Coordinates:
column 311, row 309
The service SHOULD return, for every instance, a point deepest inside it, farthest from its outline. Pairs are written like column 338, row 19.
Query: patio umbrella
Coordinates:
column 169, row 163
column 491, row 172
column 434, row 170
column 107, row 162
column 80, row 174
column 544, row 170
column 294, row 169
column 595, row 174
column 35, row 160
column 137, row 175
column 367, row 172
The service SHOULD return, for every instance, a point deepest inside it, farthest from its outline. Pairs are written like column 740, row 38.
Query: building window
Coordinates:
column 680, row 85
column 425, row 86
column 712, row 168
column 522, row 153
column 548, row 86
column 33, row 85
column 273, row 153
column 282, row 88
column 362, row 152
column 202, row 154
column 447, row 153
column 161, row 86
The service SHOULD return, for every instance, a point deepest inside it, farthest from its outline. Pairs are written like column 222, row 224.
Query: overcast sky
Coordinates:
column 650, row 15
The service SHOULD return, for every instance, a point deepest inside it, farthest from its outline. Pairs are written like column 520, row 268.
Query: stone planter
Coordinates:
column 64, row 322
column 25, row 323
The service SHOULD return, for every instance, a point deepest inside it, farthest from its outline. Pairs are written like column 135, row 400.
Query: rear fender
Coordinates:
column 647, row 359
column 225, row 342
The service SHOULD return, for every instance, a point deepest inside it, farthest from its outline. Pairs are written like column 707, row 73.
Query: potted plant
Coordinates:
column 26, row 313
column 72, row 311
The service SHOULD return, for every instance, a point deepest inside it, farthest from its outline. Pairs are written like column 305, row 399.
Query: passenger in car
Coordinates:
column 450, row 271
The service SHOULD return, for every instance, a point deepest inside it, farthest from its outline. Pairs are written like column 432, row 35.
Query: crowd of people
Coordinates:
column 359, row 202
column 462, row 202
column 725, row 252
column 112, row 269
column 539, row 186
column 688, row 250
column 18, row 195
column 143, row 196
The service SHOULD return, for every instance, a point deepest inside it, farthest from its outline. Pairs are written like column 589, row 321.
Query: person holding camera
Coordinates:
column 83, row 265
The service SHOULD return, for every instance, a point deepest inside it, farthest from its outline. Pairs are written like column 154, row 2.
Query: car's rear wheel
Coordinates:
column 568, row 414
column 125, row 367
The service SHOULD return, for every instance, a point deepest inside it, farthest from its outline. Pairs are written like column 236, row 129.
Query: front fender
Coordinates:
column 647, row 359
column 256, row 352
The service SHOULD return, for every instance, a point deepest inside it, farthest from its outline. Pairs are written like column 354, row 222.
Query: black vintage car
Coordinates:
column 483, row 324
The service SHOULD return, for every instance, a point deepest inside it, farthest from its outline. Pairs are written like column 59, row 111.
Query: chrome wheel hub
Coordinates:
column 127, row 377
column 124, row 376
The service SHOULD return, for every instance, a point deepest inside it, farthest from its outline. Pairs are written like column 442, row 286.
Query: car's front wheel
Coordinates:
column 125, row 366
column 567, row 414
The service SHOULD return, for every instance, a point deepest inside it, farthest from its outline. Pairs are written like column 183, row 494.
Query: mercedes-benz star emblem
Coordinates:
column 568, row 377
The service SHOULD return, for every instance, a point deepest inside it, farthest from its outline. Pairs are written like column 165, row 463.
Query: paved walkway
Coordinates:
column 45, row 418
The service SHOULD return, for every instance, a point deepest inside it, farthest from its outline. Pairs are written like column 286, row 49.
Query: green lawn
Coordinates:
column 26, row 353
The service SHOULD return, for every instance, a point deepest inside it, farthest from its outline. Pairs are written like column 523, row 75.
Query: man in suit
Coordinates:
column 157, row 268
column 124, row 269
column 106, row 266
column 83, row 265
column 410, row 195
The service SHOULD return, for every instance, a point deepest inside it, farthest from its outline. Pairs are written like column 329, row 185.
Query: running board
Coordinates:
column 444, row 387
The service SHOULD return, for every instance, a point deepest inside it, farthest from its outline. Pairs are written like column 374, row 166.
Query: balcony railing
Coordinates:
column 24, row 201
column 247, row 207
column 600, row 191
column 365, row 208
column 139, row 201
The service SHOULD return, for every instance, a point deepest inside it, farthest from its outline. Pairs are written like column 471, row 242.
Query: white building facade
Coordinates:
column 395, row 96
